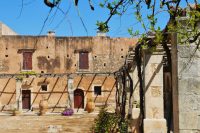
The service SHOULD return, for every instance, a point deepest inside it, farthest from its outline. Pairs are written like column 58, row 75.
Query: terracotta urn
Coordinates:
column 90, row 106
column 43, row 106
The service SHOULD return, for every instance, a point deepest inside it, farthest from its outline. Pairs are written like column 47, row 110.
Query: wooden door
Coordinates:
column 26, row 99
column 83, row 60
column 78, row 98
column 27, row 60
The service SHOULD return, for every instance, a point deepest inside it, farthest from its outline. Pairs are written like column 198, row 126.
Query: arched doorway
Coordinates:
column 78, row 98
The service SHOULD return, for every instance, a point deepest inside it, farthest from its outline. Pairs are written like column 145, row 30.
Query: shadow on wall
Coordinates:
column 5, row 92
column 35, row 95
column 106, row 98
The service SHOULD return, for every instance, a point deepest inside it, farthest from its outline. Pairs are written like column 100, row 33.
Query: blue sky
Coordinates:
column 34, row 13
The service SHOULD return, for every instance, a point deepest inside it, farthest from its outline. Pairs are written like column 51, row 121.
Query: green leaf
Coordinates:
column 101, row 5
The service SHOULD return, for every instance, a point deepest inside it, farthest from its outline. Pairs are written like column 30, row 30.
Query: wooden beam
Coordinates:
column 45, row 75
column 175, row 83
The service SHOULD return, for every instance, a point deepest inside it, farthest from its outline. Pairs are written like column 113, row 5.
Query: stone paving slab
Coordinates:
column 78, row 123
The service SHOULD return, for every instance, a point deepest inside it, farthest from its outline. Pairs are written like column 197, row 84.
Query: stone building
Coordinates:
column 64, row 70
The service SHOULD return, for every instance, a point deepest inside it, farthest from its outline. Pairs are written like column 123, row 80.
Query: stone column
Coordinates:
column 154, row 121
column 70, row 87
column 18, row 95
column 134, row 122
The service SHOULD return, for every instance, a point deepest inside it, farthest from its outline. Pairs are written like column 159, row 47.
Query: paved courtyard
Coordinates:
column 78, row 123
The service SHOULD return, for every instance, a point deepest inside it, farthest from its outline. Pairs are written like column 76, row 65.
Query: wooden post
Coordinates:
column 175, row 83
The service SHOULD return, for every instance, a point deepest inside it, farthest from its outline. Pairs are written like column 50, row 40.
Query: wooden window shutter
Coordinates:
column 83, row 60
column 27, row 60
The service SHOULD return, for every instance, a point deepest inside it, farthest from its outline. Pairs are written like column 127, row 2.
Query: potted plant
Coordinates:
column 68, row 112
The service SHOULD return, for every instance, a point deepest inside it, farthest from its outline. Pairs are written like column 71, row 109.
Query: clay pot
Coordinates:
column 90, row 106
column 43, row 107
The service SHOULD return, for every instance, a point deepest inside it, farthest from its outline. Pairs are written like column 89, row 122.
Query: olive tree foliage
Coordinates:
column 188, row 32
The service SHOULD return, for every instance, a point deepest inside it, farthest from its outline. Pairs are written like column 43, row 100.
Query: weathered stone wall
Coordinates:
column 188, row 89
column 57, row 91
column 61, row 55
column 7, row 93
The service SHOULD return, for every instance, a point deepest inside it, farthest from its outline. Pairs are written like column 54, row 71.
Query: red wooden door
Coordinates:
column 27, row 60
column 83, row 60
column 26, row 99
column 78, row 98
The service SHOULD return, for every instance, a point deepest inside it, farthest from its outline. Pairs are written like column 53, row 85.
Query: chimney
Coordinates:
column 51, row 33
column 101, row 34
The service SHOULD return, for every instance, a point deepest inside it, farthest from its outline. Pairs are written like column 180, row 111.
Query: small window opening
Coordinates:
column 44, row 87
column 122, row 49
column 6, row 48
column 97, row 90
column 104, row 64
column 122, row 56
column 48, row 56
column 6, row 55
column 42, row 71
column 95, row 56
column 67, row 55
